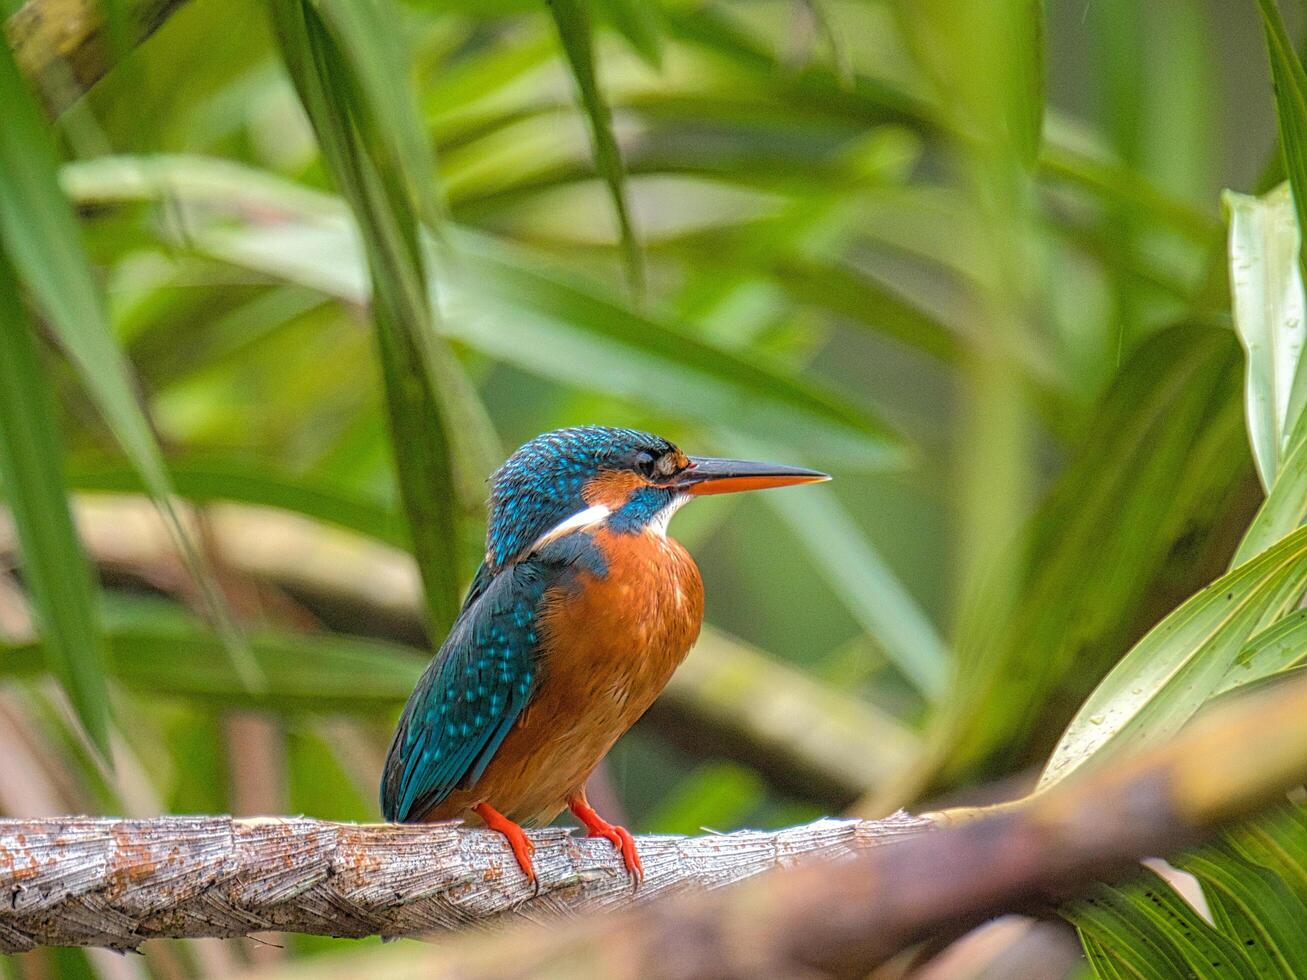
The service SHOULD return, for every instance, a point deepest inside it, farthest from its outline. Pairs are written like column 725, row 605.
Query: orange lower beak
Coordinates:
column 706, row 475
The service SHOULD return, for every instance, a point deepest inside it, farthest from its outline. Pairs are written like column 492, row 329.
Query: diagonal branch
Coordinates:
column 90, row 881
column 844, row 918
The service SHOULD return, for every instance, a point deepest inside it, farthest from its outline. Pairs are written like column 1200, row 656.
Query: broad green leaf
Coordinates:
column 1256, row 906
column 1149, row 930
column 1106, row 965
column 1290, row 85
column 575, row 30
column 31, row 480
column 1276, row 649
column 348, row 99
column 1270, row 316
column 40, row 233
column 1172, row 671
column 1128, row 945
column 1276, row 840
column 1284, row 508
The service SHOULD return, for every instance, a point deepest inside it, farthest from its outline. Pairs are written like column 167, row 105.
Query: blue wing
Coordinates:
column 478, row 684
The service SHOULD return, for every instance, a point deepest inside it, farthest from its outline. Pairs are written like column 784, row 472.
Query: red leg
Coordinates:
column 518, row 841
column 597, row 826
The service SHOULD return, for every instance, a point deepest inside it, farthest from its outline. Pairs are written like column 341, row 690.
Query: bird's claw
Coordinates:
column 518, row 842
column 619, row 837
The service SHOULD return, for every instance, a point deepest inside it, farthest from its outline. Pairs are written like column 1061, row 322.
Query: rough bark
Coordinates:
column 93, row 881
column 844, row 918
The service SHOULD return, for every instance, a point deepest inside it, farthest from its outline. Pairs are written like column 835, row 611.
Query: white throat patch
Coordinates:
column 585, row 518
column 661, row 519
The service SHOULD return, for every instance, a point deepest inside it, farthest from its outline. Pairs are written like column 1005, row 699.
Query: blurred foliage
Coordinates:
column 335, row 258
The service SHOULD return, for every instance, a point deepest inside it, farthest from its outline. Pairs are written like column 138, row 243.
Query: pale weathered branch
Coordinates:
column 64, row 46
column 843, row 918
column 90, row 881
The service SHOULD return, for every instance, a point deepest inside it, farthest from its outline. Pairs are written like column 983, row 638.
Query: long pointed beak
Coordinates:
column 707, row 475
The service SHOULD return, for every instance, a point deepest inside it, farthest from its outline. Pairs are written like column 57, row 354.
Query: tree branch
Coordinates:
column 64, row 46
column 88, row 881
column 843, row 918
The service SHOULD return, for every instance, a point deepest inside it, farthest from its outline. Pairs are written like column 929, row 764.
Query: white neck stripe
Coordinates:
column 585, row 518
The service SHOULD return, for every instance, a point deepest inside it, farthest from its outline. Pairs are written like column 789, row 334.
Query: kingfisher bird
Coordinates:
column 575, row 621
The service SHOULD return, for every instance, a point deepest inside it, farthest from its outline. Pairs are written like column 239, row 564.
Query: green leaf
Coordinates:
column 1270, row 316
column 1290, row 85
column 572, row 17
column 1272, row 651
column 1123, row 940
column 870, row 590
column 1172, row 671
column 1254, row 905
column 40, row 233
column 641, row 23
column 54, row 568
column 1284, row 508
column 580, row 336
column 1276, row 840
column 1106, row 965
column 1149, row 931
column 352, row 102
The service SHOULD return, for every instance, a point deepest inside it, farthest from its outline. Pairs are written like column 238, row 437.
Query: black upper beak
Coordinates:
column 707, row 475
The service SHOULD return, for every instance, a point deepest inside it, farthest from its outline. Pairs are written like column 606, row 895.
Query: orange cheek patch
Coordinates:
column 613, row 489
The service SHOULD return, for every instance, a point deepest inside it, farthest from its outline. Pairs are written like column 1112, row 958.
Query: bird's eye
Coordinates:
column 646, row 464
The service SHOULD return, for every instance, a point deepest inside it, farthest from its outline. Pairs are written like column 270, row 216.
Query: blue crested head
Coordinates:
column 626, row 479
column 562, row 473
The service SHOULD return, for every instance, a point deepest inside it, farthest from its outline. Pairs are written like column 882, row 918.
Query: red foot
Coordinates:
column 518, row 841
column 597, row 826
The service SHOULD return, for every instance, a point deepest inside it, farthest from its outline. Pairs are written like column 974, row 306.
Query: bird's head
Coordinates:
column 572, row 478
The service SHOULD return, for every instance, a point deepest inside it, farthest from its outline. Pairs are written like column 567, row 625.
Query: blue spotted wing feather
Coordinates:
column 471, row 694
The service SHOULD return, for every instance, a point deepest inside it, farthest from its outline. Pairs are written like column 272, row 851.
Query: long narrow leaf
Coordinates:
column 54, row 567
column 1255, row 905
column 1290, row 82
column 869, row 588
column 348, row 115
column 1272, row 651
column 40, row 233
column 1270, row 316
column 1101, row 543
column 1172, row 671
column 572, row 18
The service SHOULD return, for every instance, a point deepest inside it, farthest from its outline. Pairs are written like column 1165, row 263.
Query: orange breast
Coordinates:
column 610, row 646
